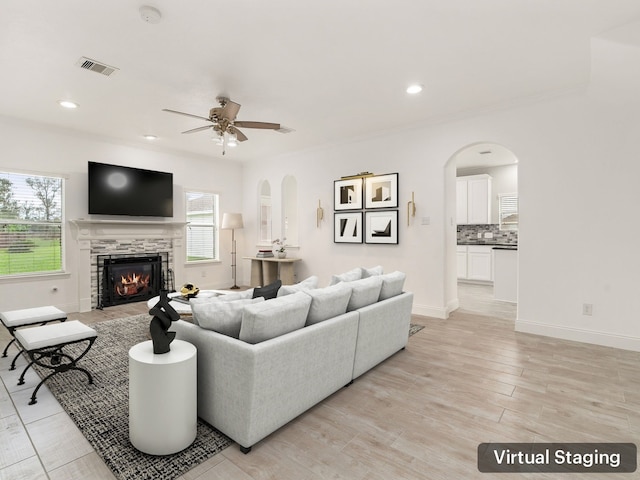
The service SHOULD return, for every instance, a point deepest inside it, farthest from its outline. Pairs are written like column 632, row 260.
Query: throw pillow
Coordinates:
column 392, row 284
column 221, row 316
column 328, row 302
column 371, row 272
column 350, row 276
column 230, row 297
column 268, row 291
column 364, row 292
column 276, row 317
column 306, row 284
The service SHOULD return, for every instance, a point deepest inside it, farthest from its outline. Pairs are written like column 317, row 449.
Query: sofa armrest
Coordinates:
column 383, row 329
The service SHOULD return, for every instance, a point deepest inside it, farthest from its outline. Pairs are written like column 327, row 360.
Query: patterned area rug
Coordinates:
column 101, row 410
column 414, row 328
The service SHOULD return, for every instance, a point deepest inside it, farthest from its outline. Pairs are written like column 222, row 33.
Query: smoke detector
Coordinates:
column 150, row 14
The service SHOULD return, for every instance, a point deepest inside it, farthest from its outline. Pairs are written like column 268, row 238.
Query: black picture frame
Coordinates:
column 347, row 227
column 381, row 227
column 381, row 191
column 347, row 194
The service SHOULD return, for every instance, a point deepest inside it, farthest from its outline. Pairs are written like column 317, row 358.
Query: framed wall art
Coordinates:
column 347, row 194
column 381, row 191
column 381, row 227
column 347, row 227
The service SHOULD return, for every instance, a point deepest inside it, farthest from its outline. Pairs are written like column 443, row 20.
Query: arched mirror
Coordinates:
column 290, row 209
column 264, row 212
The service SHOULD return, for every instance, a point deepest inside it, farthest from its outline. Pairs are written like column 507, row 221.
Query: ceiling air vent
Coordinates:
column 95, row 66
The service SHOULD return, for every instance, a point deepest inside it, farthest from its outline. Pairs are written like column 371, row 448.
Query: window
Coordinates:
column 265, row 213
column 31, row 222
column 202, row 229
column 508, row 211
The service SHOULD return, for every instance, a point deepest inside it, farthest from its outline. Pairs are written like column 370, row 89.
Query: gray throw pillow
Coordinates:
column 221, row 316
column 364, row 292
column 350, row 276
column 371, row 272
column 392, row 284
column 268, row 291
column 328, row 302
column 276, row 317
column 306, row 284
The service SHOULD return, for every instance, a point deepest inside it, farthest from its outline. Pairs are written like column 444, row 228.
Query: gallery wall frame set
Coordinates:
column 376, row 194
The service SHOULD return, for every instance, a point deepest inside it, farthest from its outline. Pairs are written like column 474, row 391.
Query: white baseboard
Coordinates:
column 585, row 336
column 428, row 311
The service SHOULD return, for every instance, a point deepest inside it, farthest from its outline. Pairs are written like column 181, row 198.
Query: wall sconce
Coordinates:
column 319, row 214
column 411, row 209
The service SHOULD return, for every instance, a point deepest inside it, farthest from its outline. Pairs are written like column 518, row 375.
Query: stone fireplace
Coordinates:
column 118, row 241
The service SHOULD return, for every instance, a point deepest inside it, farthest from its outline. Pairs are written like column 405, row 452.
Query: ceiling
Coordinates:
column 330, row 70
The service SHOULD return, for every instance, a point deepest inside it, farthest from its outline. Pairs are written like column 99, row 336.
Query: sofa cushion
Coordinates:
column 371, row 272
column 276, row 317
column 392, row 284
column 220, row 315
column 230, row 297
column 350, row 276
column 306, row 284
column 364, row 292
column 268, row 291
column 328, row 302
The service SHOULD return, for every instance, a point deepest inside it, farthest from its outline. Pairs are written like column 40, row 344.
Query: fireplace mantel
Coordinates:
column 88, row 229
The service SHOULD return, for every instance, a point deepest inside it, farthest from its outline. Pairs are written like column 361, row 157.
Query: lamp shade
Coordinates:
column 231, row 221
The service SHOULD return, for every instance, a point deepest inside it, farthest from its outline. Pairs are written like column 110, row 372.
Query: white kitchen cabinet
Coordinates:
column 475, row 262
column 461, row 252
column 473, row 200
column 505, row 267
column 480, row 262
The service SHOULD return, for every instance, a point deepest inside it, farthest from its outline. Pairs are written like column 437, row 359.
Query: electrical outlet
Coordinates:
column 587, row 309
column 203, row 273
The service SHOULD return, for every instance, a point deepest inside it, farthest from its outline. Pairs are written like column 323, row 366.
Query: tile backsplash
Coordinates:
column 469, row 234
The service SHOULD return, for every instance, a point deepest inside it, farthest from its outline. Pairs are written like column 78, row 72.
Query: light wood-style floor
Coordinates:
column 419, row 415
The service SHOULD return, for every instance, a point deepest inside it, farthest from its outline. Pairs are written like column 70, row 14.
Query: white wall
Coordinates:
column 578, row 202
column 32, row 148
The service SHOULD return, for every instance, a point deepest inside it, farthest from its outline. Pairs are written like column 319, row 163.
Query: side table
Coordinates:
column 267, row 270
column 163, row 410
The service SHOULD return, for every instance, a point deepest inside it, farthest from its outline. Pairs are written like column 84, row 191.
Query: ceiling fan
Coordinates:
column 224, row 123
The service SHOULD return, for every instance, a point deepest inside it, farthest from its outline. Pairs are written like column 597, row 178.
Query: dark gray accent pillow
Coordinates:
column 268, row 291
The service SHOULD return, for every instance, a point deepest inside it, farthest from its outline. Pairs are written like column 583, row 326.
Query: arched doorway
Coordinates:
column 482, row 201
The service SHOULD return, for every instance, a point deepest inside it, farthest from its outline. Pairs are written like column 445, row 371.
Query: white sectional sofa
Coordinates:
column 249, row 387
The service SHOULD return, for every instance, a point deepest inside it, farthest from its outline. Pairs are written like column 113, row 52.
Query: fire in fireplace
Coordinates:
column 131, row 278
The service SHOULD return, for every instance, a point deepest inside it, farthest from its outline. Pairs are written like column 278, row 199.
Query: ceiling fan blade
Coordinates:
column 199, row 129
column 264, row 125
column 186, row 114
column 241, row 136
column 230, row 110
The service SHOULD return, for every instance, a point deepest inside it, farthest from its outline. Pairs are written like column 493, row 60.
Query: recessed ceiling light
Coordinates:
column 415, row 88
column 67, row 104
column 150, row 137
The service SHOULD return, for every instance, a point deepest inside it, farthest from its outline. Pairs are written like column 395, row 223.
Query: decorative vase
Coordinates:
column 281, row 254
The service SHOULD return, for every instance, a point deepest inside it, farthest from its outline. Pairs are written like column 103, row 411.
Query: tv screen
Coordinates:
column 116, row 190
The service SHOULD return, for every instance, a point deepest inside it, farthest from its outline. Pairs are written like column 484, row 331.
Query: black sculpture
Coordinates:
column 163, row 315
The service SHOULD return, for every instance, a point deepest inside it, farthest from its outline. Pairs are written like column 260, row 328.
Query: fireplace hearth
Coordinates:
column 130, row 278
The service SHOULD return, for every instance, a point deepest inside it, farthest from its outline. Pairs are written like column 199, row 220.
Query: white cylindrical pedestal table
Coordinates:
column 162, row 398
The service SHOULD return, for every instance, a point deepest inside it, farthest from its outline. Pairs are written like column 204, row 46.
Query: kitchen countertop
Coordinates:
column 495, row 245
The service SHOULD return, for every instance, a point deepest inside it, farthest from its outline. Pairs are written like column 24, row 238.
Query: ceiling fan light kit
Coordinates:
column 224, row 124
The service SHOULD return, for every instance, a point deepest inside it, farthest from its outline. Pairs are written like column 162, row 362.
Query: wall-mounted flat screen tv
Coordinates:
column 117, row 190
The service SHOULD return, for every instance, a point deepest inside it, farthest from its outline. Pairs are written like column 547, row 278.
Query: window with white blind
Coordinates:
column 31, row 219
column 508, row 211
column 202, row 229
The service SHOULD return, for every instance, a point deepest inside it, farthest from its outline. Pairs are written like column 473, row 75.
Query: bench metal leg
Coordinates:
column 54, row 358
column 6, row 349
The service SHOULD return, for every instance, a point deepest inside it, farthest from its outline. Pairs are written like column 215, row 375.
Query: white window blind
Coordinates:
column 31, row 219
column 508, row 211
column 202, row 229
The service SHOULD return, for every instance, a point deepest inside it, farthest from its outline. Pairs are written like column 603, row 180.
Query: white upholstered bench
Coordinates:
column 45, row 347
column 14, row 319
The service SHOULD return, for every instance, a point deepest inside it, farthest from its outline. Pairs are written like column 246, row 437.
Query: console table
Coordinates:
column 267, row 270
